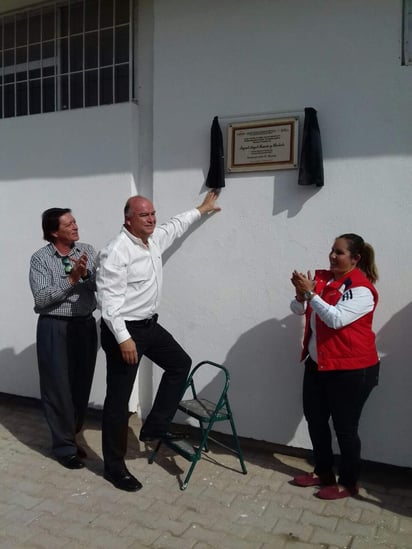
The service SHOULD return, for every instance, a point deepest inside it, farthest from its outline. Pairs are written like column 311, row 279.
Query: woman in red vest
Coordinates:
column 341, row 361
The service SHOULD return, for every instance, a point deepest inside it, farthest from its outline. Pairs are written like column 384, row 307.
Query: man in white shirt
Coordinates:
column 129, row 283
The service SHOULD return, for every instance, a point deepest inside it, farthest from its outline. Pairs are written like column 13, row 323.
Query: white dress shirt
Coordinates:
column 129, row 274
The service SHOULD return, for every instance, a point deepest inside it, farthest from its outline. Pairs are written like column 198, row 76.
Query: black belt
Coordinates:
column 68, row 318
column 145, row 322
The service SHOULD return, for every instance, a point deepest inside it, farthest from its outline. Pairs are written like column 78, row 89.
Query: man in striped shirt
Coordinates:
column 62, row 280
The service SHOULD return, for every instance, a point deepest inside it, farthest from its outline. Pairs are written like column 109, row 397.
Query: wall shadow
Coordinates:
column 292, row 203
column 392, row 398
column 22, row 367
column 266, row 379
column 265, row 382
column 21, row 408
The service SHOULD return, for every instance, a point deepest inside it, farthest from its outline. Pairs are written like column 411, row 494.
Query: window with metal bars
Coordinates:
column 66, row 55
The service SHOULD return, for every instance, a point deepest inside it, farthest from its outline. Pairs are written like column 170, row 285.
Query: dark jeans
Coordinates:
column 339, row 395
column 160, row 347
column 66, row 354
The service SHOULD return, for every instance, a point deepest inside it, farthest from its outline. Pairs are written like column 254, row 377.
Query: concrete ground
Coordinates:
column 43, row 505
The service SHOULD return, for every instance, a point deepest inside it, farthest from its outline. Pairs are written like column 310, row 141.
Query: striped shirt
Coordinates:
column 53, row 294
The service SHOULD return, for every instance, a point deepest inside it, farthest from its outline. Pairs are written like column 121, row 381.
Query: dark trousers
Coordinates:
column 339, row 395
column 160, row 347
column 66, row 354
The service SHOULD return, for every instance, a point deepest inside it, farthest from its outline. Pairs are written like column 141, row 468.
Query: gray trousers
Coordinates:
column 66, row 354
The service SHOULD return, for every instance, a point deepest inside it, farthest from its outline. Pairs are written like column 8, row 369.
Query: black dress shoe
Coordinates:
column 163, row 435
column 81, row 452
column 70, row 462
column 123, row 480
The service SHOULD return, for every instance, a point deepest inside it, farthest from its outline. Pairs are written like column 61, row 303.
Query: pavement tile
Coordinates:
column 399, row 540
column 282, row 511
column 293, row 530
column 296, row 545
column 369, row 544
column 214, row 538
column 56, row 525
column 18, row 533
column 41, row 540
column 5, row 509
column 147, row 536
column 326, row 538
column 167, row 541
column 249, row 505
column 218, row 497
column 45, row 506
column 162, row 509
column 315, row 519
column 19, row 498
column 345, row 526
column 263, row 523
column 336, row 509
column 383, row 519
column 405, row 525
column 311, row 504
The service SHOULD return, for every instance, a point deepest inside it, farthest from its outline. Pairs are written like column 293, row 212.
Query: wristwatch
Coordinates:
column 307, row 296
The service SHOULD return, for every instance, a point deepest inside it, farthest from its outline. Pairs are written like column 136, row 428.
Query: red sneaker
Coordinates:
column 337, row 492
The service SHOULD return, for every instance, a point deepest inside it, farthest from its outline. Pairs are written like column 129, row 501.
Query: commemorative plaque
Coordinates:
column 263, row 145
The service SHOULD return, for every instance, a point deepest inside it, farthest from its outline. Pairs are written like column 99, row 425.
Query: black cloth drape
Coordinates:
column 311, row 158
column 216, row 176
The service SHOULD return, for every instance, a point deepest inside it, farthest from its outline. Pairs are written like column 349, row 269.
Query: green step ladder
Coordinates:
column 207, row 413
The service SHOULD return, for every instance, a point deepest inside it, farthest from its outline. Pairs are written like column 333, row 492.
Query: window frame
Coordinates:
column 32, row 84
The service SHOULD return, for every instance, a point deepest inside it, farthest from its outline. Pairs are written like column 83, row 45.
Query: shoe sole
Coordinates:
column 337, row 494
column 151, row 439
column 122, row 487
column 79, row 465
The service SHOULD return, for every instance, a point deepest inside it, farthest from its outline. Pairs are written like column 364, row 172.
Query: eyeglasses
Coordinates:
column 67, row 265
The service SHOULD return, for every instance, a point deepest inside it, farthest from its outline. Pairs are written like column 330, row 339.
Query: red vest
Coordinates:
column 352, row 346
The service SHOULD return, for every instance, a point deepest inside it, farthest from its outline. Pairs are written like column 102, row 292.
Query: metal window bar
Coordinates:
column 27, row 66
column 2, row 68
column 114, row 53
column 28, row 62
column 98, row 50
column 55, row 59
column 406, row 54
column 14, row 80
column 69, row 99
column 131, row 50
column 84, row 55
column 2, row 65
column 58, row 87
column 408, row 33
column 41, row 80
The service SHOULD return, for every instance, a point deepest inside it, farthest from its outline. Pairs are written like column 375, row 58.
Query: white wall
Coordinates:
column 227, row 290
column 82, row 160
